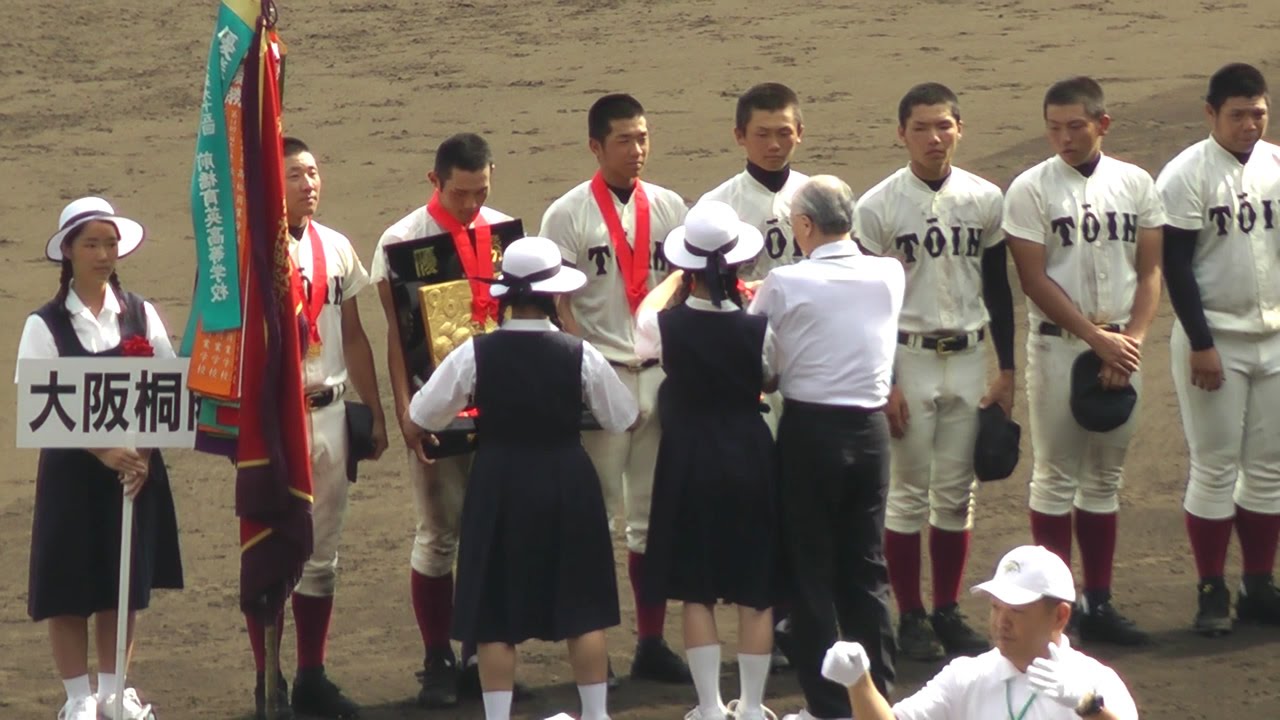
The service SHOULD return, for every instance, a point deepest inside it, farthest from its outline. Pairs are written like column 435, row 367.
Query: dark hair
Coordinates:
column 542, row 302
column 1235, row 80
column 64, row 279
column 728, row 283
column 769, row 97
column 930, row 93
column 1079, row 90
column 618, row 106
column 294, row 146
column 465, row 151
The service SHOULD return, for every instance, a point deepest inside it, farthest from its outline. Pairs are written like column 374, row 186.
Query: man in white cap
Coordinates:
column 1033, row 673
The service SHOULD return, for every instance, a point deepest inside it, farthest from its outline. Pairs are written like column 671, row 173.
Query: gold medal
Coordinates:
column 313, row 350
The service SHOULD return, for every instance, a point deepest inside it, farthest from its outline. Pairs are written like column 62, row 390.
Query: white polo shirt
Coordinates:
column 987, row 686
column 346, row 278
column 575, row 224
column 939, row 237
column 414, row 226
column 1089, row 227
column 767, row 211
column 835, row 316
column 1235, row 209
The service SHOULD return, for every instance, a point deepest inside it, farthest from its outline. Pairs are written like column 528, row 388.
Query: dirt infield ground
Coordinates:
column 102, row 97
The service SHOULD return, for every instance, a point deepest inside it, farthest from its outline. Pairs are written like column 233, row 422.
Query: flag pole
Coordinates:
column 270, row 678
column 122, row 597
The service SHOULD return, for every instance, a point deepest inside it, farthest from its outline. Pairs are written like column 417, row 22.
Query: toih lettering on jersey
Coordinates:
column 1121, row 226
column 1246, row 215
column 959, row 240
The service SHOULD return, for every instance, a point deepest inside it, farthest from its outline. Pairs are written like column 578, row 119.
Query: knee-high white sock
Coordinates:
column 704, row 665
column 77, row 687
column 594, row 701
column 107, row 685
column 753, row 670
column 497, row 705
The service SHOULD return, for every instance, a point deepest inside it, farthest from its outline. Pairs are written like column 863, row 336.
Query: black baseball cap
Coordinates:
column 1094, row 407
column 995, row 454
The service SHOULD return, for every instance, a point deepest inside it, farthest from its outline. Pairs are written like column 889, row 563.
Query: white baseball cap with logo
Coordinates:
column 1027, row 574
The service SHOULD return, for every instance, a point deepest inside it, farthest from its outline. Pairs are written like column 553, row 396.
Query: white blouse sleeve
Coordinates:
column 36, row 344
column 610, row 401
column 448, row 391
column 157, row 334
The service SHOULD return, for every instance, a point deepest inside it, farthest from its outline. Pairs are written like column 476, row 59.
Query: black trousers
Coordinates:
column 835, row 476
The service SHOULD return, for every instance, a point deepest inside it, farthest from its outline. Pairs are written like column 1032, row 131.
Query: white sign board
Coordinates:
column 104, row 402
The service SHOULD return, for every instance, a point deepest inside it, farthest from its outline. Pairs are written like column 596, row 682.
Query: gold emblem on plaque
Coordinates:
column 446, row 317
column 425, row 262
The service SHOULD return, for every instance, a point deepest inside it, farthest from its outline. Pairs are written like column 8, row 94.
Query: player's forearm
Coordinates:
column 1056, row 305
column 395, row 357
column 1145, row 301
column 359, row 359
column 867, row 702
column 1184, row 290
column 998, row 297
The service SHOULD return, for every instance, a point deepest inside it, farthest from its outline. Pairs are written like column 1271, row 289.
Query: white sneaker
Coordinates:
column 697, row 714
column 86, row 708
column 133, row 707
column 762, row 713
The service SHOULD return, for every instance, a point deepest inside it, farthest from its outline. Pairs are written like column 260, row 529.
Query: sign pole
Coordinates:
column 122, row 599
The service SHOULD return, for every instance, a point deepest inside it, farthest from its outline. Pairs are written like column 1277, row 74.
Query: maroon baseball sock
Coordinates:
column 258, row 640
column 1209, row 542
column 1258, row 534
column 1054, row 533
column 650, row 617
column 433, row 607
column 902, row 555
column 1096, row 533
column 948, row 551
column 311, row 617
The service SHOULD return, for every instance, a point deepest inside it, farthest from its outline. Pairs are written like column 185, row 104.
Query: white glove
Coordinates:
column 845, row 663
column 1049, row 679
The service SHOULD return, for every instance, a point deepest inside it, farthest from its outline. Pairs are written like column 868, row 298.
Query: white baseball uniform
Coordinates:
column 1089, row 227
column 345, row 278
column 624, row 461
column 939, row 237
column 769, row 212
column 438, row 489
column 1231, row 432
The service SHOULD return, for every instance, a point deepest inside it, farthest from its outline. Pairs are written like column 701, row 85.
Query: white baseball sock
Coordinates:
column 106, row 685
column 704, row 665
column 594, row 701
column 497, row 705
column 77, row 687
column 753, row 670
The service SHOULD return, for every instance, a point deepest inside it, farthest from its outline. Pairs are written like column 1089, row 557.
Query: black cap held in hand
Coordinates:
column 1095, row 408
column 995, row 454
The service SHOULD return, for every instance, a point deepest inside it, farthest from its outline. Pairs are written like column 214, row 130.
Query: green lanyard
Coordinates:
column 1008, row 700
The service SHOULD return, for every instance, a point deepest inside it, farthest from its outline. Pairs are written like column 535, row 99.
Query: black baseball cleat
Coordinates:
column 1101, row 622
column 439, row 680
column 955, row 633
column 315, row 695
column 1213, row 618
column 656, row 661
column 469, row 685
column 916, row 639
column 1259, row 601
column 283, row 711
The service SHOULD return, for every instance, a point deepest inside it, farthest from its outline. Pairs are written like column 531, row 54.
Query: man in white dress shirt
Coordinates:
column 835, row 316
column 1033, row 673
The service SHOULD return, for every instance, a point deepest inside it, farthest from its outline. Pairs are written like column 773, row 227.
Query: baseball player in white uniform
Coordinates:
column 338, row 358
column 1033, row 673
column 461, row 179
column 1085, row 232
column 611, row 227
column 1222, row 196
column 943, row 225
column 769, row 127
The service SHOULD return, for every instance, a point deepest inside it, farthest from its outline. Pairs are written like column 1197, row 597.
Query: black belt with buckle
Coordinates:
column 942, row 345
column 1048, row 328
column 324, row 398
column 651, row 362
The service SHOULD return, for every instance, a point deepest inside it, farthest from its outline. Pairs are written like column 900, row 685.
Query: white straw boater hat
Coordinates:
column 710, row 228
column 81, row 211
column 534, row 265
